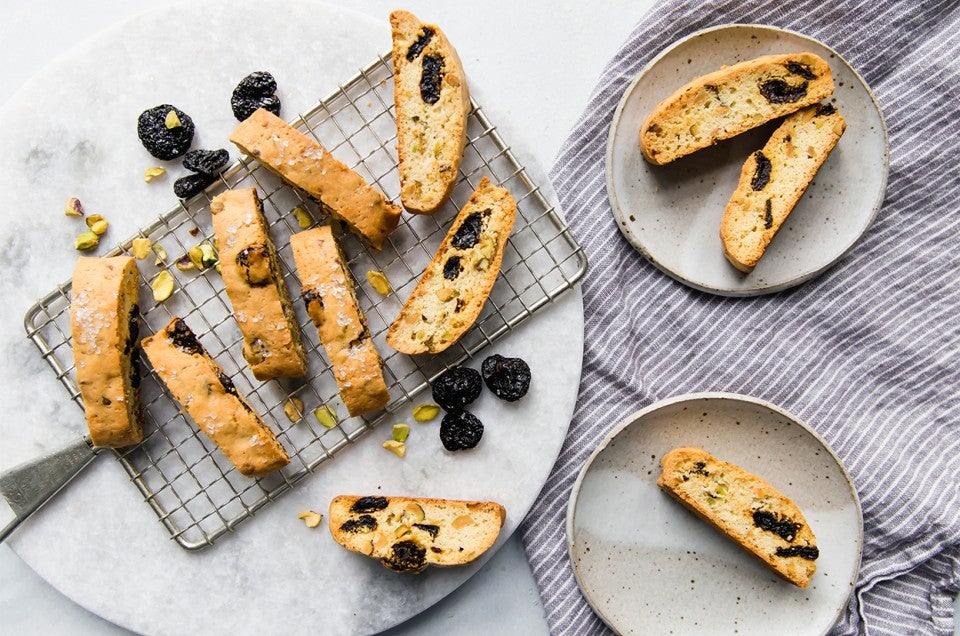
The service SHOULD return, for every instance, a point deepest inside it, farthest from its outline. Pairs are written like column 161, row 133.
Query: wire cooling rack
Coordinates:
column 195, row 491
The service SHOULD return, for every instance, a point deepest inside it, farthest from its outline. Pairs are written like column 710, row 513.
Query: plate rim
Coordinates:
column 620, row 217
column 657, row 405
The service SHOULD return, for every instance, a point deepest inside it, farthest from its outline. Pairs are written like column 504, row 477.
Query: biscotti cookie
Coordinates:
column 432, row 103
column 105, row 323
column 254, row 283
column 307, row 165
column 773, row 180
column 208, row 396
column 409, row 534
column 727, row 102
column 745, row 508
column 458, row 280
column 332, row 304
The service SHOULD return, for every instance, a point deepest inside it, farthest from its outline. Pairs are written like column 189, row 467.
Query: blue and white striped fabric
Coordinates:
column 867, row 352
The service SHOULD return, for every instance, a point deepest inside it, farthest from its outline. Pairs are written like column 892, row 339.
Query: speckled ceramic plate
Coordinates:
column 649, row 566
column 672, row 213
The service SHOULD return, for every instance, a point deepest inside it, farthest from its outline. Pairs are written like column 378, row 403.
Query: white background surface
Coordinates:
column 537, row 60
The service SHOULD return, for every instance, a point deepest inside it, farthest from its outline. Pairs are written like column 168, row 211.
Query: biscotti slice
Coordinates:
column 729, row 101
column 745, row 508
column 773, row 180
column 105, row 323
column 211, row 399
column 432, row 103
column 307, row 165
column 450, row 294
column 254, row 283
column 409, row 534
column 332, row 304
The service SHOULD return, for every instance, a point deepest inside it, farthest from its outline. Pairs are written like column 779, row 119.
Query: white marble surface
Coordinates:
column 553, row 53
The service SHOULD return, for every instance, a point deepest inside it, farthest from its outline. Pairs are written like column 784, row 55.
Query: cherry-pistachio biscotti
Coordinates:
column 307, row 165
column 209, row 396
column 732, row 100
column 254, row 283
column 745, row 508
column 331, row 301
column 432, row 103
column 105, row 324
column 456, row 283
column 773, row 180
column 408, row 534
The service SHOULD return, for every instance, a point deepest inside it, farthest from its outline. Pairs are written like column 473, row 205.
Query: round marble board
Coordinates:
column 71, row 131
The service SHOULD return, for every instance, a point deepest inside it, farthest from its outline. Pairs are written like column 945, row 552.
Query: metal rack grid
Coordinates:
column 195, row 491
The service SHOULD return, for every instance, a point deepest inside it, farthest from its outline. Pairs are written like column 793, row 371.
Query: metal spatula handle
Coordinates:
column 28, row 486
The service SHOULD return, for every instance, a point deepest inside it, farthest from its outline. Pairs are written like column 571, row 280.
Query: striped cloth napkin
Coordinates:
column 867, row 352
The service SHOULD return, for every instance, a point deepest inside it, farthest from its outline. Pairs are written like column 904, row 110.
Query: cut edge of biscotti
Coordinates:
column 432, row 102
column 253, row 279
column 773, row 180
column 729, row 101
column 745, row 508
column 330, row 297
column 237, row 430
column 458, row 280
column 312, row 169
column 104, row 326
column 407, row 534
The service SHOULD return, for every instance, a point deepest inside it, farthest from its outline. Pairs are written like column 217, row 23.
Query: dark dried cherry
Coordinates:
column 422, row 41
column 452, row 268
column 192, row 184
column 369, row 504
column 783, row 527
column 808, row 552
column 406, row 556
column 160, row 141
column 209, row 162
column 801, row 69
column 457, row 387
column 777, row 91
column 460, row 431
column 183, row 338
column 363, row 523
column 469, row 231
column 430, row 78
column 508, row 378
column 762, row 175
column 256, row 90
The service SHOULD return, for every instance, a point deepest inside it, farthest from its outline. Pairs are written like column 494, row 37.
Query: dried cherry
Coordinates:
column 192, row 184
column 430, row 78
column 460, row 431
column 256, row 90
column 160, row 141
column 508, row 378
column 209, row 162
column 457, row 387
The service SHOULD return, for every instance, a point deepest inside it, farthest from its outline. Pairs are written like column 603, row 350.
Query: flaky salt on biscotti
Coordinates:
column 307, row 165
column 432, row 103
column 454, row 287
column 745, row 508
column 210, row 398
column 331, row 301
column 408, row 534
column 732, row 100
column 104, row 324
column 254, row 283
column 773, row 180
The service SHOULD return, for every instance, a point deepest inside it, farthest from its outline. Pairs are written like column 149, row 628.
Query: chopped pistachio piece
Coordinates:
column 397, row 448
column 217, row 267
column 326, row 415
column 172, row 120
column 73, row 207
column 97, row 224
column 293, row 409
column 162, row 286
column 303, row 217
column 184, row 264
column 141, row 248
column 425, row 412
column 208, row 255
column 86, row 241
column 160, row 252
column 311, row 518
column 401, row 431
column 152, row 173
column 195, row 254
column 379, row 282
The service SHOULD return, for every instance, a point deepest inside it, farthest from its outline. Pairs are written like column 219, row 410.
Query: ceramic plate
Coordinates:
column 649, row 566
column 672, row 213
